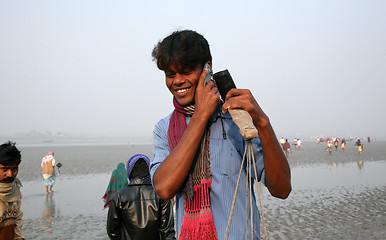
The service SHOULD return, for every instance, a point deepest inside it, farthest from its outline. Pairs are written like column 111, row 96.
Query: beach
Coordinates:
column 333, row 196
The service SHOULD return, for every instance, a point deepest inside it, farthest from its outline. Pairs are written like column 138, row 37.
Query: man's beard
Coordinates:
column 8, row 180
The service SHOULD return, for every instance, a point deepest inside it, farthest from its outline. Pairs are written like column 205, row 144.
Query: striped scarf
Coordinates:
column 198, row 220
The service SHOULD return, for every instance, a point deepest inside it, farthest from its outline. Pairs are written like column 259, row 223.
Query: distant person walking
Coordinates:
column 336, row 144
column 10, row 196
column 359, row 146
column 295, row 143
column 48, row 170
column 343, row 144
column 118, row 180
column 329, row 147
column 299, row 144
column 287, row 147
column 282, row 141
column 360, row 149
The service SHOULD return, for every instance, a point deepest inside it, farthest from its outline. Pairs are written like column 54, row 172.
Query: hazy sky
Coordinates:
column 315, row 67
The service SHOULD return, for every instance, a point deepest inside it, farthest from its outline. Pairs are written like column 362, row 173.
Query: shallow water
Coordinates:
column 73, row 211
column 332, row 198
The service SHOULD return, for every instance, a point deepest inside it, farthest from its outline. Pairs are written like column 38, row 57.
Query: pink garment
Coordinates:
column 48, row 157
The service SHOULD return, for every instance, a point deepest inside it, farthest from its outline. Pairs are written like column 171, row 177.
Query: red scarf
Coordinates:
column 198, row 220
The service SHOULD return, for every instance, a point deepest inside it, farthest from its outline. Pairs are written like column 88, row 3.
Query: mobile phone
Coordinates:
column 208, row 76
column 224, row 82
column 241, row 117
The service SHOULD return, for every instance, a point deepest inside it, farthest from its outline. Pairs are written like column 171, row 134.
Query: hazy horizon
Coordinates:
column 317, row 68
column 60, row 137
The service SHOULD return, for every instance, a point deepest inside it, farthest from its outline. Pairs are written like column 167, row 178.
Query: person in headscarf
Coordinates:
column 10, row 196
column 118, row 180
column 48, row 170
column 136, row 211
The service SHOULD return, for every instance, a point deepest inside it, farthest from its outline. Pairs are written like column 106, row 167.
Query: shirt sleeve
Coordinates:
column 160, row 145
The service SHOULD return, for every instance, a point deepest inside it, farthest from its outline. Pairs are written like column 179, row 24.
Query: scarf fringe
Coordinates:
column 197, row 229
column 198, row 220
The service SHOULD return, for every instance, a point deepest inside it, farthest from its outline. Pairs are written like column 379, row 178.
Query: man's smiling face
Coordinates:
column 182, row 83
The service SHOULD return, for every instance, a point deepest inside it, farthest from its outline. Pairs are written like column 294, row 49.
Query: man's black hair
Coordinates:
column 140, row 169
column 185, row 49
column 9, row 154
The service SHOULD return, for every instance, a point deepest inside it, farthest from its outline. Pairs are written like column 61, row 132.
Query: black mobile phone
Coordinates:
column 224, row 82
column 241, row 117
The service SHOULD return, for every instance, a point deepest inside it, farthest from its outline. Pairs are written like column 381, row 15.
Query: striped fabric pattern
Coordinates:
column 225, row 160
column 50, row 181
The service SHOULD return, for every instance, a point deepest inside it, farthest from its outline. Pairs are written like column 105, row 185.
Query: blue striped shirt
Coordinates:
column 225, row 161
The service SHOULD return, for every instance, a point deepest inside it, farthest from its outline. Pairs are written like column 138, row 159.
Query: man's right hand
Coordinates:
column 206, row 97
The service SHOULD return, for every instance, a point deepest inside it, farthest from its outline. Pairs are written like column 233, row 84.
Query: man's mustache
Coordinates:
column 8, row 180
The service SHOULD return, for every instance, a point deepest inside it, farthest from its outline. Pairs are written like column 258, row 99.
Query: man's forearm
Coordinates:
column 277, row 171
column 172, row 172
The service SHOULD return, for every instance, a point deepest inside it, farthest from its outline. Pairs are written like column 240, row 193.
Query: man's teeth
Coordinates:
column 182, row 90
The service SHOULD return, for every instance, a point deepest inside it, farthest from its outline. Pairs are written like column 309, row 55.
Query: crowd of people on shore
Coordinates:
column 336, row 142
column 331, row 144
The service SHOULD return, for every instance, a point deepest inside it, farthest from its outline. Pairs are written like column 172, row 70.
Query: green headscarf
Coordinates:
column 118, row 181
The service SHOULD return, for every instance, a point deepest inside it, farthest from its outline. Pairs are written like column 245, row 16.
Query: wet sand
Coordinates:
column 339, row 202
column 332, row 197
column 73, row 211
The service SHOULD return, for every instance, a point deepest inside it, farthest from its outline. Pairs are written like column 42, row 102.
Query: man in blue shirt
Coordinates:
column 198, row 149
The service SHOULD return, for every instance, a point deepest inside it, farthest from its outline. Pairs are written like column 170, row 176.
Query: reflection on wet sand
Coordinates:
column 335, row 165
column 360, row 164
column 48, row 213
column 330, row 202
column 332, row 165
